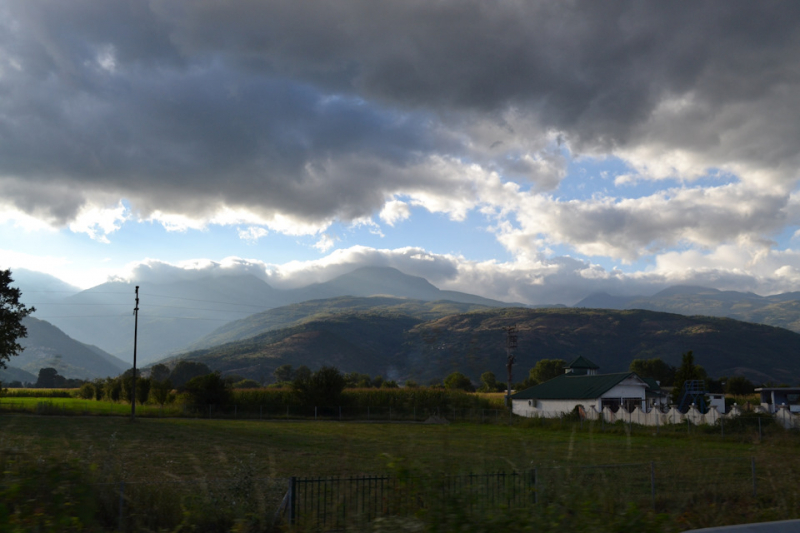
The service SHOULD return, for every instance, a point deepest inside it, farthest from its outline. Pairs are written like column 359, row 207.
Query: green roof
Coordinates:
column 652, row 384
column 572, row 387
column 581, row 362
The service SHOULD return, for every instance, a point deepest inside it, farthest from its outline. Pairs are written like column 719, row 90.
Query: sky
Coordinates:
column 530, row 151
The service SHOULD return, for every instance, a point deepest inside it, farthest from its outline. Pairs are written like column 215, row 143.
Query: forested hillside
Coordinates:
column 403, row 346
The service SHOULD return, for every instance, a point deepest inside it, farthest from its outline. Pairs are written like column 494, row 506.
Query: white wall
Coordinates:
column 654, row 417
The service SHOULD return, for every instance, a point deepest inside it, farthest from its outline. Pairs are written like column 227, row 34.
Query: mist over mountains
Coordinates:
column 382, row 321
column 174, row 315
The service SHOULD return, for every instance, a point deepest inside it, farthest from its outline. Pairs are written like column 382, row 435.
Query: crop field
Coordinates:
column 702, row 479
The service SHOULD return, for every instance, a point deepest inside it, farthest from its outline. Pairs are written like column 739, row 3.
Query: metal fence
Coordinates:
column 339, row 503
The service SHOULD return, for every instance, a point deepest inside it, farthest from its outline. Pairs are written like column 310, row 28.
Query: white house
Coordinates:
column 773, row 397
column 580, row 385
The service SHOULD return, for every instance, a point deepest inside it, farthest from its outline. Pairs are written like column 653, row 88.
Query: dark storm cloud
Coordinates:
column 594, row 69
column 319, row 109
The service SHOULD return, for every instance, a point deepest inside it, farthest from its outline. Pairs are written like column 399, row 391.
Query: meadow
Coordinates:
column 173, row 470
column 703, row 479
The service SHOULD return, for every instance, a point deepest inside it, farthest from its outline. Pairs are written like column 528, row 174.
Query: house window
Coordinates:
column 610, row 403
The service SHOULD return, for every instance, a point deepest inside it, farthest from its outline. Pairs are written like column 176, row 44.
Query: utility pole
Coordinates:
column 511, row 346
column 135, row 334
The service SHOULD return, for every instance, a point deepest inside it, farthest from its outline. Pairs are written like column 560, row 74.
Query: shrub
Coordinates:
column 87, row 391
column 247, row 384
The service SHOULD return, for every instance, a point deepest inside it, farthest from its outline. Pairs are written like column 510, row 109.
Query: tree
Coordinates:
column 49, row 379
column 12, row 311
column 688, row 371
column 302, row 373
column 113, row 389
column 160, row 389
column 246, row 384
column 159, row 372
column 210, row 389
column 283, row 374
column 323, row 388
column 355, row 380
column 489, row 383
column 458, row 381
column 187, row 370
column 655, row 369
column 547, row 369
column 739, row 386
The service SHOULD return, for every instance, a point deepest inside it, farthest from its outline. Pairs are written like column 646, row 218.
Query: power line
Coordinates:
column 212, row 301
column 158, row 296
column 155, row 307
column 124, row 316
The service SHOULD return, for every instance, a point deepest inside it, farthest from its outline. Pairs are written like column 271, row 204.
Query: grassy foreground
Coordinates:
column 703, row 480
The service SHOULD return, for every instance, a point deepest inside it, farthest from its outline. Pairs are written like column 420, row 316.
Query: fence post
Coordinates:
column 759, row 429
column 535, row 485
column 653, row 483
column 722, row 426
column 753, row 470
column 121, row 502
column 292, row 486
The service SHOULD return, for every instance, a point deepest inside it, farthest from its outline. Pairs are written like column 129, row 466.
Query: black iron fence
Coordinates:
column 339, row 503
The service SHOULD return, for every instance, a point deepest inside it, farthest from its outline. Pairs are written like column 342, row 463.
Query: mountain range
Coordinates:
column 174, row 315
column 782, row 310
column 380, row 320
column 404, row 346
column 48, row 346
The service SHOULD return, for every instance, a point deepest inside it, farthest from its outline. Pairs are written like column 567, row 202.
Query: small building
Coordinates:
column 580, row 385
column 773, row 397
column 717, row 401
column 655, row 395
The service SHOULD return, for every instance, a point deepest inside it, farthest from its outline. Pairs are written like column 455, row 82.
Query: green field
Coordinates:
column 702, row 478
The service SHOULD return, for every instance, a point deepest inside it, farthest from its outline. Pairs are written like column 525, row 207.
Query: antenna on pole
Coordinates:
column 511, row 346
column 135, row 334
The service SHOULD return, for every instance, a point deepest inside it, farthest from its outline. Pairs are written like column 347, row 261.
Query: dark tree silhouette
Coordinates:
column 12, row 311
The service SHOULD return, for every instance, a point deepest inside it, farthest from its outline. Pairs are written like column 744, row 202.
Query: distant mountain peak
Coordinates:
column 676, row 290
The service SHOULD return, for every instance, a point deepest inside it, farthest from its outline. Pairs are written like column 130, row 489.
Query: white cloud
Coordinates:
column 395, row 211
column 99, row 222
column 325, row 243
column 252, row 234
column 24, row 221
column 627, row 228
